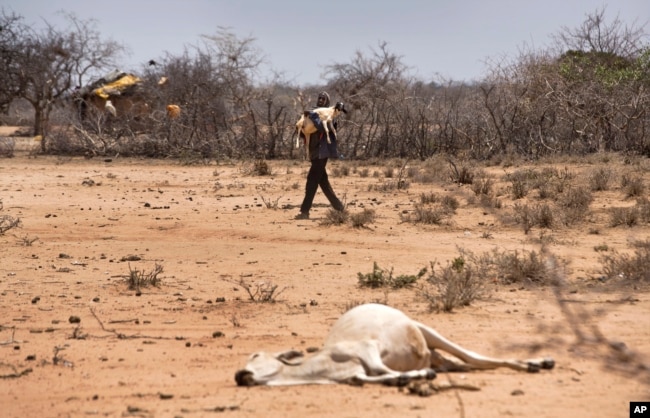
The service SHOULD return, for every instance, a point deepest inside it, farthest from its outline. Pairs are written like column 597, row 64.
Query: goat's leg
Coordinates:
column 327, row 131
column 334, row 132
column 300, row 125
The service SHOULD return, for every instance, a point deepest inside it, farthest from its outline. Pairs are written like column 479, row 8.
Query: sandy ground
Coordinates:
column 172, row 350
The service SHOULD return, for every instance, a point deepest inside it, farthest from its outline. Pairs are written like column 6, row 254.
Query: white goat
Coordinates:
column 373, row 343
column 326, row 114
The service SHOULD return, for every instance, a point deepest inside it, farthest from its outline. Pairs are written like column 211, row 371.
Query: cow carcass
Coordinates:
column 374, row 343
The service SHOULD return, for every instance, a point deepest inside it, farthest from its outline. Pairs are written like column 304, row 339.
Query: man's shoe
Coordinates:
column 302, row 215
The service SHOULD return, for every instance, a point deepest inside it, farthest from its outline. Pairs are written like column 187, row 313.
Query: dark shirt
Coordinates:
column 318, row 146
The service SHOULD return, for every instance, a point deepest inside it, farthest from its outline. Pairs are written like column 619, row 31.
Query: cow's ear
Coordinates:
column 288, row 357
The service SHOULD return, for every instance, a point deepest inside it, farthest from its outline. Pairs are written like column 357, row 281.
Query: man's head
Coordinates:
column 323, row 99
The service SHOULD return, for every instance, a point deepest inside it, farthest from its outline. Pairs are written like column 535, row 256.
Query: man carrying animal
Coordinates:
column 320, row 150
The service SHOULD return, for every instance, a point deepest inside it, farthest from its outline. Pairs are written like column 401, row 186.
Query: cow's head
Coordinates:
column 263, row 368
column 340, row 106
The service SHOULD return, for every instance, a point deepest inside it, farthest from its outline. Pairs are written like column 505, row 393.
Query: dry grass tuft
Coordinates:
column 138, row 279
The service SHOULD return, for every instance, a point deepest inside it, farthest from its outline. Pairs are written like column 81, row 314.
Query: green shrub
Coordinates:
column 600, row 178
column 541, row 215
column 629, row 268
column 457, row 284
column 336, row 217
column 633, row 186
column 483, row 186
column 516, row 267
column 623, row 216
column 363, row 218
column 382, row 278
column 450, row 204
column 427, row 215
column 574, row 204
column 429, row 198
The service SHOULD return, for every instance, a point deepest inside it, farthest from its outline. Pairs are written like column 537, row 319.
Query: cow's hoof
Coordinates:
column 355, row 381
column 548, row 363
column 534, row 367
column 431, row 374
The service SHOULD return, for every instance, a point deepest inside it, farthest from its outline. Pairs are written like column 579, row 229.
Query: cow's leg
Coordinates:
column 443, row 364
column 477, row 361
column 374, row 370
column 395, row 378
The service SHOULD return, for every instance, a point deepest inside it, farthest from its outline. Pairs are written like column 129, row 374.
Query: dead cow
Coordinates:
column 306, row 127
column 373, row 343
column 120, row 94
column 117, row 93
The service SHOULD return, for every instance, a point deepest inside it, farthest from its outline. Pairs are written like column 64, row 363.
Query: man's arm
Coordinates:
column 316, row 120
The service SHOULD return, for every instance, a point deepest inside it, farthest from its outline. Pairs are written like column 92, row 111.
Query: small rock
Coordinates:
column 131, row 257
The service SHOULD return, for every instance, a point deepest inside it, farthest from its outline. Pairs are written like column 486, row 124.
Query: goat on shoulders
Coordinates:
column 306, row 125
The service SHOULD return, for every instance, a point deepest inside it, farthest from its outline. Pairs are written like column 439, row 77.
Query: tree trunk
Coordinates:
column 40, row 122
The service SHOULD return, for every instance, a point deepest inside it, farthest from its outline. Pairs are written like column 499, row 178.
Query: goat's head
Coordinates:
column 262, row 367
column 340, row 106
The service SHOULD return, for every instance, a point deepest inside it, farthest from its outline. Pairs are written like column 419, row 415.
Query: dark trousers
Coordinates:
column 317, row 176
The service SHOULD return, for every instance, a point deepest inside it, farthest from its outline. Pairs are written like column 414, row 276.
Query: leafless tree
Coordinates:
column 12, row 35
column 51, row 61
column 277, row 114
column 596, row 34
column 193, row 85
column 604, row 73
column 588, row 94
column 369, row 84
column 223, row 112
column 237, row 62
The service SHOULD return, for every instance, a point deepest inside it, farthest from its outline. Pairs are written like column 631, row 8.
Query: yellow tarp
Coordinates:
column 117, row 86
